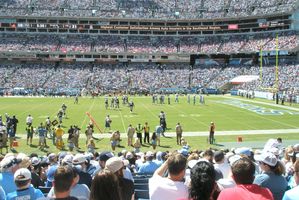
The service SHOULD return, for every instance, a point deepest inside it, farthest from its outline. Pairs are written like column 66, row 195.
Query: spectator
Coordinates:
column 105, row 186
column 271, row 177
column 293, row 193
column 222, row 164
column 80, row 191
column 116, row 166
column 63, row 181
column 80, row 162
column 203, row 182
column 9, row 165
column 171, row 187
column 149, row 167
column 2, row 194
column 36, row 172
column 243, row 173
column 25, row 190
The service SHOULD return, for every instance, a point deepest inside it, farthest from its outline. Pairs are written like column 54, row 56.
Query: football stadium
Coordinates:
column 159, row 100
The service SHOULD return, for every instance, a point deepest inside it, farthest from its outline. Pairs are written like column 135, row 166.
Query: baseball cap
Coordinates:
column 35, row 161
column 22, row 174
column 184, row 152
column 149, row 154
column 105, row 155
column 243, row 150
column 129, row 155
column 114, row 164
column 51, row 157
column 233, row 159
column 9, row 161
column 68, row 159
column 25, row 160
column 267, row 158
column 78, row 159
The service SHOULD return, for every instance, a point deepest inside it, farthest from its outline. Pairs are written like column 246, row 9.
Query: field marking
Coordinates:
column 264, row 103
column 122, row 120
column 259, row 116
column 238, row 110
column 194, row 119
column 149, row 110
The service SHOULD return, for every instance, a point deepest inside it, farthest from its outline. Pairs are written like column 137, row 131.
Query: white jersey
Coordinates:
column 29, row 119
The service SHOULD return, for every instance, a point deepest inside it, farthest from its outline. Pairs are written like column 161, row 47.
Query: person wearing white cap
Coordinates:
column 25, row 190
column 80, row 161
column 293, row 193
column 36, row 180
column 8, row 166
column 116, row 166
column 272, row 174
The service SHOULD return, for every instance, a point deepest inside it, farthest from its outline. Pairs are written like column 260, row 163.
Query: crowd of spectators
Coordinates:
column 141, row 76
column 165, row 45
column 270, row 173
column 146, row 9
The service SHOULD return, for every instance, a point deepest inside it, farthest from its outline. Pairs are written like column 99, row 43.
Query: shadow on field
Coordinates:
column 33, row 146
column 219, row 145
column 165, row 146
column 97, row 139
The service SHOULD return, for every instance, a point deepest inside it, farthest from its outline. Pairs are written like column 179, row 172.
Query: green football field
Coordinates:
column 260, row 119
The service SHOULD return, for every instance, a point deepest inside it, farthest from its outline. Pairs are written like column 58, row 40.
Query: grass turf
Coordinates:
column 194, row 118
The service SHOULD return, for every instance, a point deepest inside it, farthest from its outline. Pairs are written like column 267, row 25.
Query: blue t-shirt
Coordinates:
column 275, row 183
column 2, row 194
column 7, row 182
column 148, row 167
column 25, row 194
column 41, row 132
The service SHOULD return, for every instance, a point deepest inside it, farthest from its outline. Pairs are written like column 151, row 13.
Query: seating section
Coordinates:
column 147, row 9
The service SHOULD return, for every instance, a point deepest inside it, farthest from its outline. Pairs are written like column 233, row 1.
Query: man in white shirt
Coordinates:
column 172, row 186
column 29, row 120
column 222, row 164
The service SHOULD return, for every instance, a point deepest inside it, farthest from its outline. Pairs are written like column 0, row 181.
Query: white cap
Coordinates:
column 22, row 174
column 267, row 158
column 79, row 158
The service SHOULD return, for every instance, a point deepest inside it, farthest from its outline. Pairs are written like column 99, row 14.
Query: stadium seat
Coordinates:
column 141, row 194
column 141, row 186
column 140, row 180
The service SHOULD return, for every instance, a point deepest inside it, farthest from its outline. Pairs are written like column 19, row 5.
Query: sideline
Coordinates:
column 195, row 134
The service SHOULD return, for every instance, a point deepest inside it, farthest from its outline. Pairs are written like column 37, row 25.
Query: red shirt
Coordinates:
column 246, row 192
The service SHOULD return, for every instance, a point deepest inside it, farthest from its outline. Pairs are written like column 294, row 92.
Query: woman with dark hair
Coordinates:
column 203, row 184
column 105, row 186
